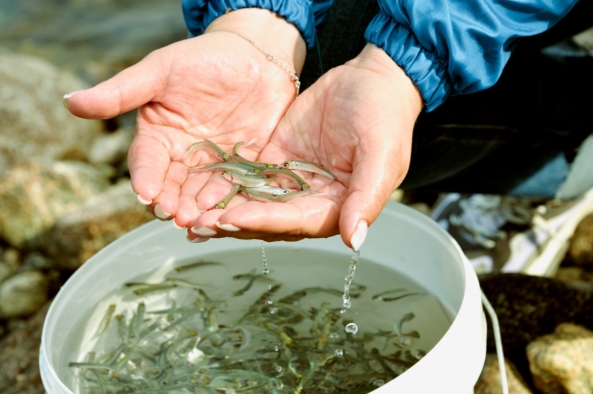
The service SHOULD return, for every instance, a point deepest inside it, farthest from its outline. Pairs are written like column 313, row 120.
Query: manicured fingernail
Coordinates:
column 143, row 201
column 359, row 235
column 178, row 227
column 203, row 231
column 160, row 213
column 197, row 240
column 228, row 227
column 66, row 97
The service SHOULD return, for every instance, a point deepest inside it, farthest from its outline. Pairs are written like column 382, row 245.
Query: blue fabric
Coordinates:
column 444, row 46
column 306, row 15
column 468, row 42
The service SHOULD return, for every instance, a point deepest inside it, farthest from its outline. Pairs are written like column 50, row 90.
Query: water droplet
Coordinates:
column 270, row 302
column 344, row 310
column 333, row 336
column 276, row 348
column 266, row 271
column 378, row 382
column 273, row 310
column 269, row 287
column 339, row 352
column 347, row 304
column 351, row 328
column 278, row 368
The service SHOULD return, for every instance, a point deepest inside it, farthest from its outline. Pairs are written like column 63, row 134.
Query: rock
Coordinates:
column 22, row 294
column 581, row 244
column 33, row 121
column 562, row 362
column 93, row 38
column 112, row 148
column 529, row 307
column 83, row 232
column 34, row 195
column 489, row 380
column 19, row 357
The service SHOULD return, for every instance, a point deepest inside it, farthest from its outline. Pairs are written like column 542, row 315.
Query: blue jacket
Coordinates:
column 445, row 46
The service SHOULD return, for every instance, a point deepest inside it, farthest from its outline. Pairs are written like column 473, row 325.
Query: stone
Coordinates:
column 489, row 380
column 19, row 357
column 95, row 39
column 33, row 121
column 83, row 232
column 112, row 148
column 580, row 249
column 35, row 195
column 529, row 307
column 22, row 294
column 562, row 362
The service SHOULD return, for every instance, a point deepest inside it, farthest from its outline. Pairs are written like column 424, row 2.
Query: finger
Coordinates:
column 313, row 216
column 167, row 202
column 126, row 91
column 377, row 171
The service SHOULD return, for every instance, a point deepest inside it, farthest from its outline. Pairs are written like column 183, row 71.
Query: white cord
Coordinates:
column 498, row 342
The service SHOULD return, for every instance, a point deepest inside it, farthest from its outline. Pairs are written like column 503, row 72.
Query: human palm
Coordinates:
column 356, row 121
column 231, row 94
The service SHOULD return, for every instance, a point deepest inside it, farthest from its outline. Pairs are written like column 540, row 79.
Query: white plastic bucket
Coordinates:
column 401, row 238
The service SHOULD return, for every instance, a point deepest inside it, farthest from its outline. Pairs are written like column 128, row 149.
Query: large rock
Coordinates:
column 562, row 362
column 22, row 294
column 91, row 226
column 33, row 122
column 35, row 195
column 489, row 381
column 581, row 244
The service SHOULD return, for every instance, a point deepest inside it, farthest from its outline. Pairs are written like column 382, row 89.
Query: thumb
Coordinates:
column 131, row 88
column 377, row 171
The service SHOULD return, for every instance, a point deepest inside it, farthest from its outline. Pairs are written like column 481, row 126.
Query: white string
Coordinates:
column 498, row 342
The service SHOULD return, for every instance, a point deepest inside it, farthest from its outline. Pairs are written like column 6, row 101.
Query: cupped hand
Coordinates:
column 356, row 121
column 217, row 86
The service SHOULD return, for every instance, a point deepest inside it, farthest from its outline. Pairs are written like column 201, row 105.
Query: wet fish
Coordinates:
column 306, row 166
column 212, row 147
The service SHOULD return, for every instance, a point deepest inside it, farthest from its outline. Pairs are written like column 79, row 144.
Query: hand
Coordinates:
column 357, row 122
column 216, row 86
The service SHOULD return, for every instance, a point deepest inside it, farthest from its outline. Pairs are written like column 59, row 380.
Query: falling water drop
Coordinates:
column 351, row 328
column 339, row 352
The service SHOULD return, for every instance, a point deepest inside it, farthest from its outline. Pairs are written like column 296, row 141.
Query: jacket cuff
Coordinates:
column 426, row 70
column 200, row 13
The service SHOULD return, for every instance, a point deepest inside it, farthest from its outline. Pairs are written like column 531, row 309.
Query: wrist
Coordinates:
column 377, row 60
column 268, row 30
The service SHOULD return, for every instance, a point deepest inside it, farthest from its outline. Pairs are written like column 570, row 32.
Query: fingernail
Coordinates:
column 66, row 97
column 359, row 235
column 143, row 201
column 203, row 231
column 228, row 227
column 197, row 240
column 160, row 213
column 178, row 227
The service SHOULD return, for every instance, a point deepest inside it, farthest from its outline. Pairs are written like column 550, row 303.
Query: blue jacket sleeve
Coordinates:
column 457, row 46
column 306, row 15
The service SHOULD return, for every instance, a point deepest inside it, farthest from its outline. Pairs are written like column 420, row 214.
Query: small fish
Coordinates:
column 273, row 190
column 268, row 197
column 239, row 167
column 149, row 287
column 242, row 160
column 287, row 173
column 210, row 145
column 106, row 319
column 196, row 265
column 306, row 166
column 245, row 179
column 224, row 202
